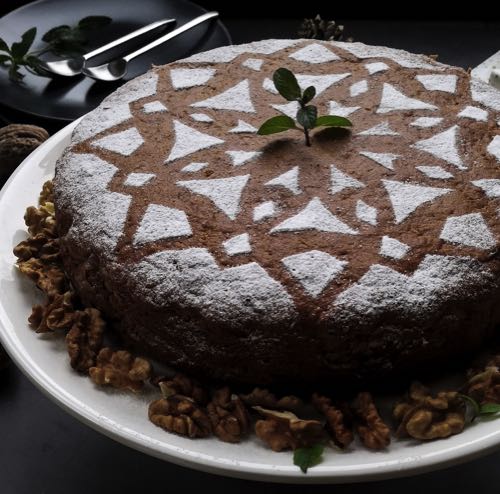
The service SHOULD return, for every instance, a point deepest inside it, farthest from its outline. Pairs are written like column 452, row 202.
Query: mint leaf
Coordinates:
column 55, row 33
column 277, row 124
column 286, row 84
column 14, row 74
column 489, row 409
column 22, row 47
column 4, row 46
column 306, row 458
column 307, row 116
column 333, row 121
column 5, row 58
column 308, row 95
column 94, row 22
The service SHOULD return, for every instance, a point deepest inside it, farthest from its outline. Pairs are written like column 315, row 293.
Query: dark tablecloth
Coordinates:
column 45, row 451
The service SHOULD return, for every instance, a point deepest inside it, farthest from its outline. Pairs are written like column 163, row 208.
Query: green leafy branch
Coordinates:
column 64, row 41
column 287, row 86
column 305, row 458
column 480, row 410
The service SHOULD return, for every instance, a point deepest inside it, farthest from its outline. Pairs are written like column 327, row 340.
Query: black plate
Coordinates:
column 66, row 99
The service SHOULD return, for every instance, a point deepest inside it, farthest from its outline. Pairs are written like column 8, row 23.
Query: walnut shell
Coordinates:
column 16, row 142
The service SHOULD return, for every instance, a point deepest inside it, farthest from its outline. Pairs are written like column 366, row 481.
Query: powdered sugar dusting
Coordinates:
column 138, row 179
column 115, row 108
column 124, row 143
column 425, row 122
column 395, row 100
column 494, row 147
column 470, row 230
column 358, row 88
column 314, row 53
column 288, row 109
column 160, row 222
column 390, row 247
column 225, row 193
column 236, row 98
column 201, row 117
column 98, row 215
column 242, row 157
column 186, row 78
column 341, row 111
column 435, row 172
column 474, row 113
column 194, row 167
column 264, row 211
column 443, row 146
column 243, row 128
column 253, row 63
column 485, row 94
column 240, row 244
column 315, row 216
column 314, row 270
column 375, row 67
column 384, row 159
column 154, row 107
column 366, row 213
column 381, row 129
column 438, row 82
column 289, row 180
column 405, row 198
column 341, row 181
column 188, row 141
column 490, row 186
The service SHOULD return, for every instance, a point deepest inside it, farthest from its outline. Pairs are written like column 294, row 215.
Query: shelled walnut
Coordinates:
column 120, row 370
column 372, row 430
column 483, row 383
column 338, row 420
column 284, row 430
column 264, row 398
column 57, row 314
column 228, row 415
column 182, row 385
column 84, row 339
column 181, row 415
column 424, row 416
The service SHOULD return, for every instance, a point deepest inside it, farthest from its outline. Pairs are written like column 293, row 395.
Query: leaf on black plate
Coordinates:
column 4, row 58
column 307, row 116
column 333, row 121
column 286, row 84
column 277, row 124
column 306, row 458
column 22, row 47
column 55, row 33
column 14, row 74
column 94, row 22
column 4, row 46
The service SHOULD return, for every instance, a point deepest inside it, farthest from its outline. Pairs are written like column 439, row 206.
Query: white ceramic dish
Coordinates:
column 124, row 418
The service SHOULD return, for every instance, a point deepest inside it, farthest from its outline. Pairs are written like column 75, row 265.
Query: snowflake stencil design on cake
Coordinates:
column 194, row 181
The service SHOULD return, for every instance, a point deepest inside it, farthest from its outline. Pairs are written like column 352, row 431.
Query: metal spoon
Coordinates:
column 116, row 69
column 70, row 67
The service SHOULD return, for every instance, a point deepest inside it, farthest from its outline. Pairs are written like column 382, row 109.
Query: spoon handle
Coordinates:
column 127, row 37
column 172, row 34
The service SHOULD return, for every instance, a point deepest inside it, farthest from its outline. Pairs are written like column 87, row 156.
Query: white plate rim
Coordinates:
column 443, row 456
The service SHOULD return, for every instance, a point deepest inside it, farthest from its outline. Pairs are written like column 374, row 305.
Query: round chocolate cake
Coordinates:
column 259, row 259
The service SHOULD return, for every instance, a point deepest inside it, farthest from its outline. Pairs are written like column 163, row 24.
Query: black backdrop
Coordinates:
column 337, row 9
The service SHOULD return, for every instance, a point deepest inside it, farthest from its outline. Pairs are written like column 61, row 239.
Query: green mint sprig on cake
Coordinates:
column 307, row 118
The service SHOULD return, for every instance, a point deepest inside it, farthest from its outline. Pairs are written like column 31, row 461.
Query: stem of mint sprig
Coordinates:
column 287, row 86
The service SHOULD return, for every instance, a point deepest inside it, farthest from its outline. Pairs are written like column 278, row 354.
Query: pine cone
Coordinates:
column 16, row 142
column 318, row 28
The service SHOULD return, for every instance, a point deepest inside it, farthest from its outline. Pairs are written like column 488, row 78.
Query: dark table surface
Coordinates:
column 45, row 451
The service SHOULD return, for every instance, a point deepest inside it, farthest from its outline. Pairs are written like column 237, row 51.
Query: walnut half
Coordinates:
column 372, row 430
column 284, row 430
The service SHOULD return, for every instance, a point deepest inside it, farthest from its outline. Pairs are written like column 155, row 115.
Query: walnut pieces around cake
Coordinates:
column 228, row 415
column 265, row 399
column 183, row 385
column 338, row 420
column 483, row 380
column 424, row 416
column 84, row 339
column 284, row 430
column 120, row 369
column 180, row 414
column 372, row 430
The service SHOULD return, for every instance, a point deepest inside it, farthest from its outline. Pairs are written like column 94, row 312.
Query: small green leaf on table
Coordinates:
column 20, row 48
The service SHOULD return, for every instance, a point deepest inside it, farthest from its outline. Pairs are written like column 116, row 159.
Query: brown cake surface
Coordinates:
column 259, row 259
